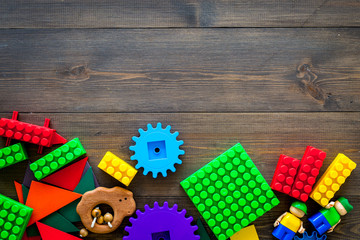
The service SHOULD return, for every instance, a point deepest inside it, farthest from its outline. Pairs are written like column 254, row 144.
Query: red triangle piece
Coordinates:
column 68, row 177
column 58, row 139
column 50, row 233
column 19, row 192
column 46, row 199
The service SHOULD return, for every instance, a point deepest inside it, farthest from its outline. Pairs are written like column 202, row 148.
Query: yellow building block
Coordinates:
column 334, row 176
column 248, row 233
column 118, row 168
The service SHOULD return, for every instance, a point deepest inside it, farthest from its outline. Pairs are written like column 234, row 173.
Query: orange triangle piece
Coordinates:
column 68, row 177
column 19, row 192
column 46, row 199
column 50, row 233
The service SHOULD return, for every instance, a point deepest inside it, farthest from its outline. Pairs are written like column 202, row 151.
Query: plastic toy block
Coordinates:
column 57, row 159
column 46, row 199
column 202, row 231
column 230, row 192
column 331, row 181
column 86, row 184
column 285, row 173
column 248, row 233
column 42, row 136
column 309, row 169
column 50, row 233
column 14, row 217
column 117, row 168
column 68, row 177
column 12, row 154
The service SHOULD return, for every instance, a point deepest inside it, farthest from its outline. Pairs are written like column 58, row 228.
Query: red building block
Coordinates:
column 26, row 132
column 285, row 173
column 310, row 165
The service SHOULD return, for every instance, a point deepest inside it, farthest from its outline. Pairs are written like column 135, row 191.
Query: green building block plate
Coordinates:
column 230, row 192
column 14, row 218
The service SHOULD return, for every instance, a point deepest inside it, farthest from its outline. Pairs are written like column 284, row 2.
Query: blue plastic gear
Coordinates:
column 157, row 150
column 161, row 223
column 314, row 236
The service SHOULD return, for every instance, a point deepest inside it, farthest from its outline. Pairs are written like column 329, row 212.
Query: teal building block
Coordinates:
column 230, row 192
column 12, row 154
column 14, row 218
column 86, row 184
column 57, row 159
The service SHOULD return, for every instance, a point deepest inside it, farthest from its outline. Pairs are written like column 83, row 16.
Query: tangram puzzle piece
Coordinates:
column 248, row 233
column 68, row 177
column 46, row 199
column 29, row 176
column 19, row 192
column 87, row 166
column 202, row 231
column 49, row 233
column 85, row 184
column 55, row 219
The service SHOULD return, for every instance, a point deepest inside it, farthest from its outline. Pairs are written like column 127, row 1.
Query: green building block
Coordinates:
column 57, row 159
column 12, row 154
column 230, row 192
column 14, row 218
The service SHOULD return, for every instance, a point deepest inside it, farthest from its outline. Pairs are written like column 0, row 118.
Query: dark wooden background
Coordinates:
column 274, row 75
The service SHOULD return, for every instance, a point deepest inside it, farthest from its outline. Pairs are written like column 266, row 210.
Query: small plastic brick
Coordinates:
column 57, row 159
column 331, row 181
column 230, row 192
column 285, row 173
column 117, row 168
column 313, row 236
column 42, row 136
column 248, row 233
column 14, row 218
column 310, row 165
column 12, row 154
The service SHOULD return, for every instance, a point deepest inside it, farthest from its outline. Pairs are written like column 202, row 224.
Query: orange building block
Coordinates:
column 117, row 168
column 331, row 181
column 46, row 199
column 50, row 233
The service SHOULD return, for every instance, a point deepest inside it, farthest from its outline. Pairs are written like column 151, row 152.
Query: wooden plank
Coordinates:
column 264, row 136
column 180, row 70
column 188, row 13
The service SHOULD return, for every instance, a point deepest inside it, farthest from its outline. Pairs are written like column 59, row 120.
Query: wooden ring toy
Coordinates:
column 119, row 199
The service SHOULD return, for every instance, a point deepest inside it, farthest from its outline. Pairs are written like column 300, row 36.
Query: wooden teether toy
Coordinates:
column 119, row 199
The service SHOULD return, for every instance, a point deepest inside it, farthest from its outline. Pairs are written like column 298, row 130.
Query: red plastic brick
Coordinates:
column 285, row 173
column 26, row 132
column 308, row 171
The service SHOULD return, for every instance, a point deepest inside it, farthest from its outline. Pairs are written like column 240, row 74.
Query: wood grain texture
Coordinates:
column 178, row 13
column 180, row 70
column 206, row 135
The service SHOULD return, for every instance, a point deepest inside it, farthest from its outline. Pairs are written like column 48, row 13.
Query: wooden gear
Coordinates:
column 120, row 199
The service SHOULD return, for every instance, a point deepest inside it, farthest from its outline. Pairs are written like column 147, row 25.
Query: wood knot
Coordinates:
column 80, row 72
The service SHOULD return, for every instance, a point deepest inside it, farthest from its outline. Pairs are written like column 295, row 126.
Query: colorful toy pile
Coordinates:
column 229, row 192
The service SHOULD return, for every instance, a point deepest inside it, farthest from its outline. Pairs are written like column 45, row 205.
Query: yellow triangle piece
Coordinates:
column 248, row 233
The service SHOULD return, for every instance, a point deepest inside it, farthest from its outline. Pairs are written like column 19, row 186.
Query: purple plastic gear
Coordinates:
column 161, row 223
column 313, row 236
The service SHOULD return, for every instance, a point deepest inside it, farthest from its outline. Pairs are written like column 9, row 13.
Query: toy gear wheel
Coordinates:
column 314, row 236
column 157, row 150
column 161, row 223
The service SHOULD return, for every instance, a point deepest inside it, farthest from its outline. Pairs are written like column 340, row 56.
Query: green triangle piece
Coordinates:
column 86, row 184
column 54, row 220
column 202, row 231
column 25, row 191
